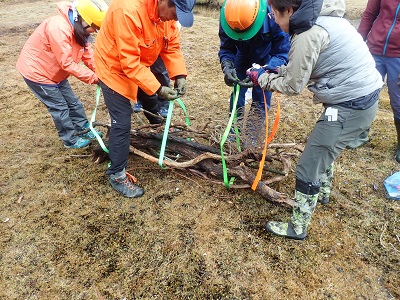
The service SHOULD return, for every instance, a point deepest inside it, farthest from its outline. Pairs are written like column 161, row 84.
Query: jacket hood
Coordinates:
column 152, row 10
column 333, row 8
column 63, row 8
column 304, row 18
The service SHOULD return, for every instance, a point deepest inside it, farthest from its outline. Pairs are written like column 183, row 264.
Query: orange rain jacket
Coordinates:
column 130, row 39
column 51, row 54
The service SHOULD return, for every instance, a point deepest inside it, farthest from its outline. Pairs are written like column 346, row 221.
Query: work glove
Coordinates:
column 263, row 81
column 254, row 73
column 252, row 76
column 167, row 93
column 230, row 72
column 180, row 85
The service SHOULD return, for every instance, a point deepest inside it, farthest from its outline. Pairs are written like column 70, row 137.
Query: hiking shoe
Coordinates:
column 90, row 135
column 80, row 143
column 163, row 112
column 138, row 107
column 123, row 182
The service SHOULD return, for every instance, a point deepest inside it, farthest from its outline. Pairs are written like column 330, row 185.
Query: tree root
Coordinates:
column 206, row 161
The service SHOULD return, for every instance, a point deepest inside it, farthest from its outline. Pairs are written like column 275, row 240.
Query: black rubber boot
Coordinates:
column 397, row 125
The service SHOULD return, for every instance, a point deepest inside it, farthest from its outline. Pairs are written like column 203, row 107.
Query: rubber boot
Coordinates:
column 326, row 185
column 397, row 124
column 306, row 196
column 359, row 141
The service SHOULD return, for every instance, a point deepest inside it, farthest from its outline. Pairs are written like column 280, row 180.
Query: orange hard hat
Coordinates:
column 242, row 19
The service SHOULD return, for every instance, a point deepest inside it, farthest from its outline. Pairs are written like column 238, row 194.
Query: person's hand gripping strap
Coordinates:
column 254, row 73
column 167, row 93
column 229, row 70
column 180, row 85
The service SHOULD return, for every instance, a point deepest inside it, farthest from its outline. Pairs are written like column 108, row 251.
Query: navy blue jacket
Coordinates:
column 269, row 46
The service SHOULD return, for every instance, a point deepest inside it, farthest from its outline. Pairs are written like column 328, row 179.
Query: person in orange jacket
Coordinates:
column 161, row 73
column 52, row 53
column 133, row 35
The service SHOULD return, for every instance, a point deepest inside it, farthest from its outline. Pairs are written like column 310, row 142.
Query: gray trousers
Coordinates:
column 64, row 107
column 329, row 137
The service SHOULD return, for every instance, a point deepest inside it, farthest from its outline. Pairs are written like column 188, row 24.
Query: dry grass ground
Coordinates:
column 65, row 234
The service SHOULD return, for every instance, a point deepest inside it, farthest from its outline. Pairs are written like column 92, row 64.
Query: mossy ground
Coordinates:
column 65, row 234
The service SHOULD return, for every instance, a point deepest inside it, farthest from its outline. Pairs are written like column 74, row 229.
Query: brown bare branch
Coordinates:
column 206, row 161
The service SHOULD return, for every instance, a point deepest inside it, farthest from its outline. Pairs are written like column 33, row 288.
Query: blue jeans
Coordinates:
column 255, row 121
column 64, row 107
column 254, row 125
column 390, row 66
column 257, row 99
column 242, row 63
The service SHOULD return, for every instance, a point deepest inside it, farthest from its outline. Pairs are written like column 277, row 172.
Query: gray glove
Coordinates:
column 167, row 93
column 398, row 83
column 263, row 81
column 180, row 85
column 230, row 72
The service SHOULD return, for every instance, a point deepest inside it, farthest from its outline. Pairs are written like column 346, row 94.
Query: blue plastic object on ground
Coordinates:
column 392, row 185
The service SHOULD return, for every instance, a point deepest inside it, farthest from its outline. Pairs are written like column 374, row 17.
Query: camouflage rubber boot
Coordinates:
column 123, row 183
column 326, row 185
column 303, row 209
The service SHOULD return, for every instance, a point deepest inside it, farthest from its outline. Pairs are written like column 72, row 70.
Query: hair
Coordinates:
column 80, row 34
column 281, row 5
column 171, row 3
